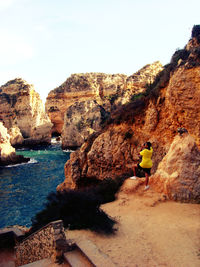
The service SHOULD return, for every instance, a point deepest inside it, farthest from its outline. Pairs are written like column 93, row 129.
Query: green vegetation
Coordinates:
column 137, row 96
column 112, row 98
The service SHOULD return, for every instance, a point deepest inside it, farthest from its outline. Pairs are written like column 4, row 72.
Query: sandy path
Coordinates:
column 150, row 232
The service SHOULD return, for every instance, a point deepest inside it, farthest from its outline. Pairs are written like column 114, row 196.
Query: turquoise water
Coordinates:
column 24, row 187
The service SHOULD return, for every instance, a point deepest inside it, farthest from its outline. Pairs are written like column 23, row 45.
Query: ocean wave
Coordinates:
column 55, row 141
column 31, row 161
column 68, row 150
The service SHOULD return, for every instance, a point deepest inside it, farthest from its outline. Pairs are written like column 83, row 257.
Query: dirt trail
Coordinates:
column 151, row 232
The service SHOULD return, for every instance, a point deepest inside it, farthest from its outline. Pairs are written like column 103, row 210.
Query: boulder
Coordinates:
column 16, row 137
column 178, row 174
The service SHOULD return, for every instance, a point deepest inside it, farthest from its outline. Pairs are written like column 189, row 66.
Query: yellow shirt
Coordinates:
column 146, row 158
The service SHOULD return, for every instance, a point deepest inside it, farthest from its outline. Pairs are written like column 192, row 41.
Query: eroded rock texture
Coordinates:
column 178, row 174
column 7, row 152
column 23, row 114
column 89, row 92
column 170, row 102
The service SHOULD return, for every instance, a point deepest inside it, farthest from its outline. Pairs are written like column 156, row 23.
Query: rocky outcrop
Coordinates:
column 16, row 137
column 22, row 112
column 178, row 174
column 7, row 152
column 90, row 91
column 137, row 83
column 172, row 101
column 81, row 120
column 104, row 155
column 81, row 87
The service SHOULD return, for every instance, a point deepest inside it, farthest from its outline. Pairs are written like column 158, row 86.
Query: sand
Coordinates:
column 151, row 231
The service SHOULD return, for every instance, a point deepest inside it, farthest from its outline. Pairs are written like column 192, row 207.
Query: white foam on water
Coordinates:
column 68, row 150
column 55, row 141
column 31, row 161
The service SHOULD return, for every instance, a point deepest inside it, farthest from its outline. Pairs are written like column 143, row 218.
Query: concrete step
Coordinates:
column 93, row 254
column 7, row 258
column 45, row 263
column 8, row 236
column 76, row 258
column 14, row 229
column 7, row 264
column 40, row 263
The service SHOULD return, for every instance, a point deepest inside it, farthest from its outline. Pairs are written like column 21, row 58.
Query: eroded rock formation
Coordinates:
column 172, row 101
column 81, row 120
column 89, row 92
column 22, row 112
column 78, row 88
column 178, row 174
column 7, row 152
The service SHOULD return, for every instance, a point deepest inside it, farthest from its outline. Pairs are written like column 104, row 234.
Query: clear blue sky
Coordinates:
column 45, row 41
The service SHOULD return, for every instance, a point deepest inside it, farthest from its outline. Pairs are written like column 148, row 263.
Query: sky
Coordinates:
column 45, row 41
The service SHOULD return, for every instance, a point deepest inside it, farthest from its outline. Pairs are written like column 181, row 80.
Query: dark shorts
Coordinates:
column 147, row 170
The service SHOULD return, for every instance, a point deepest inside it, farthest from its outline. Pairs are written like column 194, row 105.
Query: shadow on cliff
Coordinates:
column 80, row 209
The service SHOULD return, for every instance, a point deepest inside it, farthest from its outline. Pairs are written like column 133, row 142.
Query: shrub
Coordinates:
column 137, row 96
column 80, row 209
column 128, row 134
column 179, row 54
column 196, row 32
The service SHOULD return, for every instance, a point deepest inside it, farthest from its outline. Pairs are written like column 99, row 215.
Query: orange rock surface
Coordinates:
column 171, row 103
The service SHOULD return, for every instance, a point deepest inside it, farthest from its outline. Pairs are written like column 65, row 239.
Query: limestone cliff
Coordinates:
column 81, row 120
column 7, row 152
column 22, row 112
column 170, row 102
column 79, row 88
column 178, row 174
column 89, row 92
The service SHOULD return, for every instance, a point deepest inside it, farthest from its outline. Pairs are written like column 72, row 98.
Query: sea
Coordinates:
column 25, row 187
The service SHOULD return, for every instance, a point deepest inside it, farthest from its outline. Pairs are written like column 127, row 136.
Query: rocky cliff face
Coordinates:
column 80, row 88
column 89, row 92
column 81, row 120
column 178, row 174
column 22, row 112
column 172, row 101
column 7, row 152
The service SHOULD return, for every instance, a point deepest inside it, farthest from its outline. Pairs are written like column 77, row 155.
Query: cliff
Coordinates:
column 7, row 152
column 23, row 114
column 79, row 88
column 82, row 104
column 179, row 181
column 170, row 102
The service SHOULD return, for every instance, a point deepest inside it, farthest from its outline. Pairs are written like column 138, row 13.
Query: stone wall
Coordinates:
column 45, row 243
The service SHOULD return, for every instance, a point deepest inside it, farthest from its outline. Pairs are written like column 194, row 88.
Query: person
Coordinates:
column 145, row 164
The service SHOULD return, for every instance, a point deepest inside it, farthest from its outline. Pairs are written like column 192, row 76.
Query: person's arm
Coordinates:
column 142, row 152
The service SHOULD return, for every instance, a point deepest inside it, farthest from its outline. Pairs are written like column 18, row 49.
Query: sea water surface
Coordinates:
column 24, row 187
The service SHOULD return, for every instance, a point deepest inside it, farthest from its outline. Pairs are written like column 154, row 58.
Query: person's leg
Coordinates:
column 134, row 169
column 147, row 179
column 134, row 172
